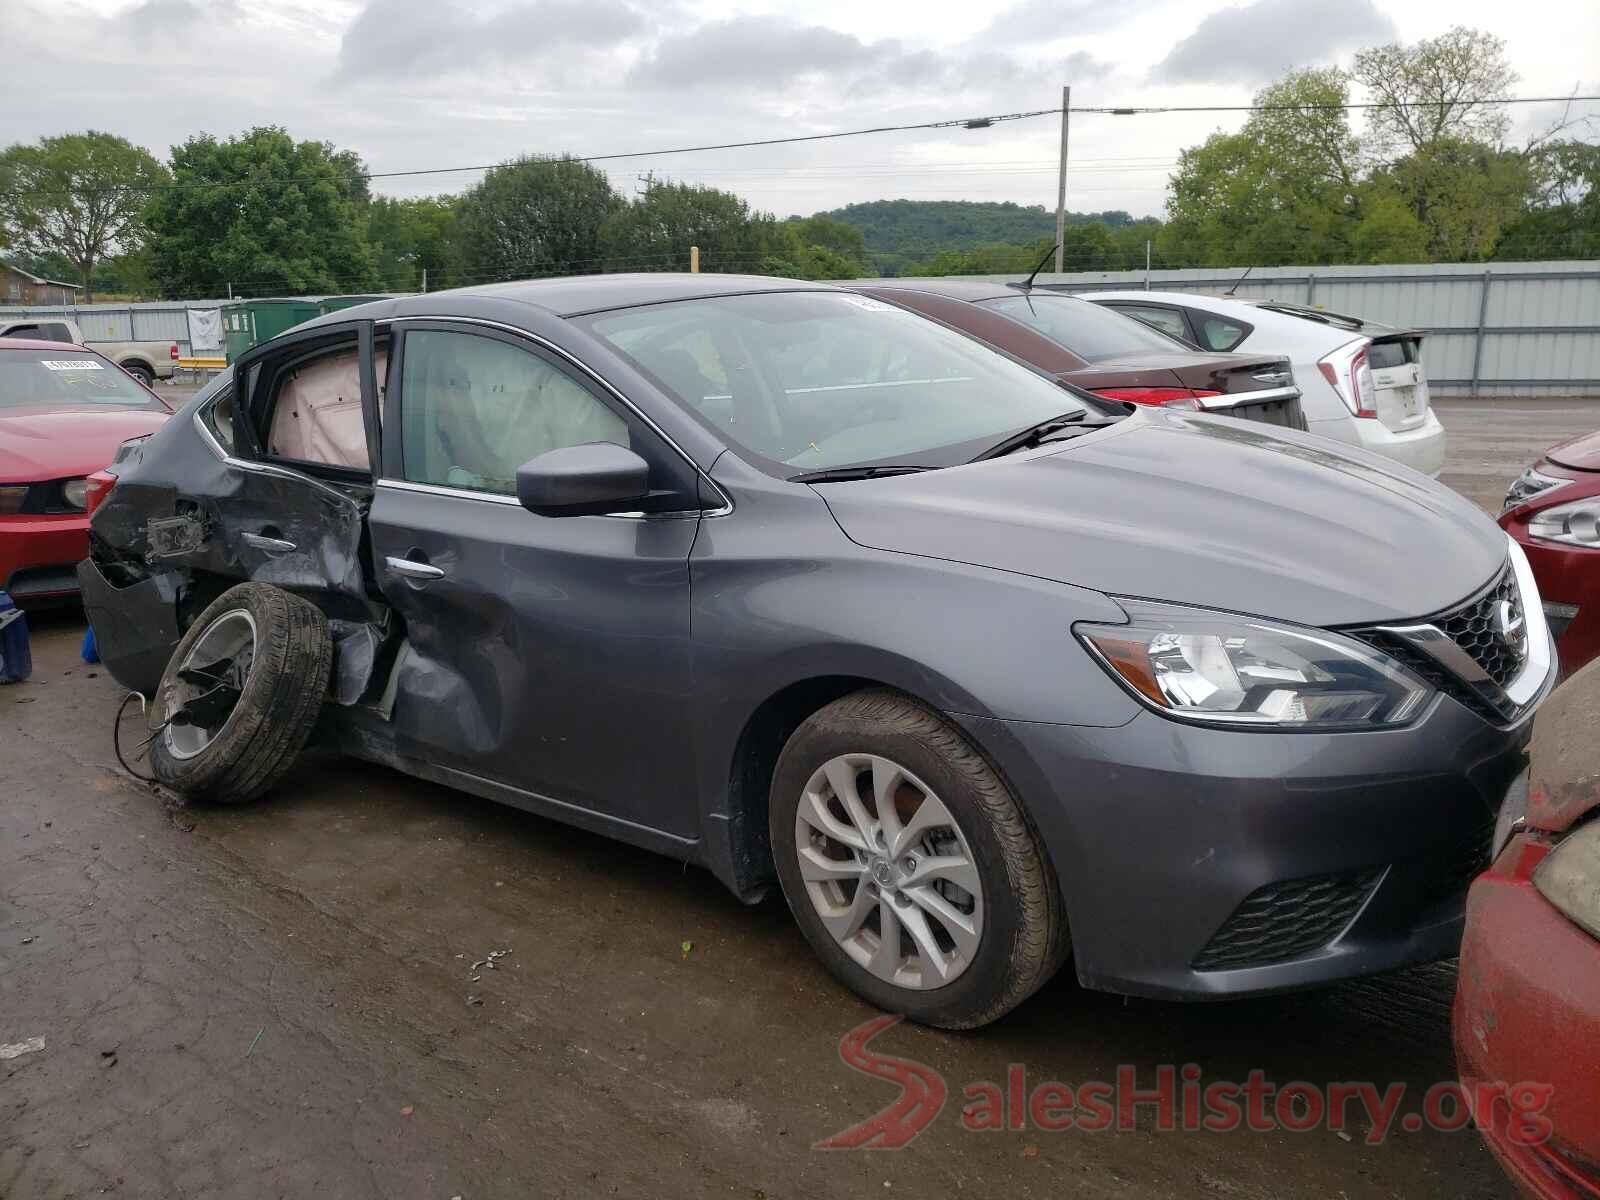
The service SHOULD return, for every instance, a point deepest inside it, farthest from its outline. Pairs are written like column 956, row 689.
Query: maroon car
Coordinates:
column 1553, row 510
column 1100, row 350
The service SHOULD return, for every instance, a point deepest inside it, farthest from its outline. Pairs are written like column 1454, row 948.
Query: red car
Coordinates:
column 64, row 410
column 1527, row 1011
column 1553, row 510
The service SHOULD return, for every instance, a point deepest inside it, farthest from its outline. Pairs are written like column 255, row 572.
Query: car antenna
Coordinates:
column 1240, row 280
column 1027, row 284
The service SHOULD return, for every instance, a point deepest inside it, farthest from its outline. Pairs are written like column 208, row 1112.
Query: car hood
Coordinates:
column 38, row 444
column 1197, row 510
column 1580, row 454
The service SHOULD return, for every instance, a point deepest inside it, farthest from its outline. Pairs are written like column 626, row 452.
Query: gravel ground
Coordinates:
column 279, row 1000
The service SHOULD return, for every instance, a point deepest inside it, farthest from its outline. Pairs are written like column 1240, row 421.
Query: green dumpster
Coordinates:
column 330, row 304
column 246, row 323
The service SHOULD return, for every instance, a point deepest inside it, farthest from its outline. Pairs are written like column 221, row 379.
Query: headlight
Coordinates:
column 73, row 492
column 1569, row 876
column 1576, row 524
column 1220, row 669
column 1528, row 485
column 12, row 499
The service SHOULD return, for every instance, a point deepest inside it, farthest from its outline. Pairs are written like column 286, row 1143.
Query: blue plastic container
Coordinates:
column 16, row 661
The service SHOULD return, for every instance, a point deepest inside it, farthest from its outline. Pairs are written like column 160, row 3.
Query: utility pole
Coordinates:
column 424, row 280
column 1061, row 188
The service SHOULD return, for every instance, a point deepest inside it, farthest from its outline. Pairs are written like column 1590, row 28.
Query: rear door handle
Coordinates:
column 412, row 569
column 271, row 545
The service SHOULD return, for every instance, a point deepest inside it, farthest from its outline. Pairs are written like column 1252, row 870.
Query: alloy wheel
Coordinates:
column 889, row 871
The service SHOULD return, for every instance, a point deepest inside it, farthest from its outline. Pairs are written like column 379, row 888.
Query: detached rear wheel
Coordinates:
column 240, row 694
column 910, row 867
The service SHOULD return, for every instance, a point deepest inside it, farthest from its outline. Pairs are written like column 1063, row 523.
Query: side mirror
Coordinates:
column 575, row 481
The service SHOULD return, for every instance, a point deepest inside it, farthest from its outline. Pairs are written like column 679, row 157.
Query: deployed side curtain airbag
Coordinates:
column 318, row 414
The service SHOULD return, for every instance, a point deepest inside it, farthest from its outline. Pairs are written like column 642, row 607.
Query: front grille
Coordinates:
column 1447, row 874
column 1287, row 919
column 1475, row 627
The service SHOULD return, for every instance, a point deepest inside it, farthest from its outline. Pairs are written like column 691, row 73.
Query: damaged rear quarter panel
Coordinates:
column 181, row 511
column 182, row 505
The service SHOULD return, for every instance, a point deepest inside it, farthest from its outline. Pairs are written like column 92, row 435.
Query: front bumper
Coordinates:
column 39, row 555
column 1527, row 1011
column 1205, row 863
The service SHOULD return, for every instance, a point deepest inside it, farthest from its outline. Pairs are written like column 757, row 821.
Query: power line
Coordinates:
column 1135, row 111
column 981, row 122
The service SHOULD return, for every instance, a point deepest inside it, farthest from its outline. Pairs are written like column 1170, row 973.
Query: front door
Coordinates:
column 548, row 654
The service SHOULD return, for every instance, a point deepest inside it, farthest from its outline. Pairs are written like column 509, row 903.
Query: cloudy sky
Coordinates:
column 414, row 84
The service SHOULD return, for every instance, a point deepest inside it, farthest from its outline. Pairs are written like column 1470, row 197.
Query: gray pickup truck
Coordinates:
column 145, row 361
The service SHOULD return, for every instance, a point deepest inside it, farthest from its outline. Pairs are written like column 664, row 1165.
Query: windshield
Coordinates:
column 806, row 381
column 1091, row 332
column 64, row 378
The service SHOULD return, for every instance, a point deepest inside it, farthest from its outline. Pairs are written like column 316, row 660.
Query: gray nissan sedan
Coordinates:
column 985, row 673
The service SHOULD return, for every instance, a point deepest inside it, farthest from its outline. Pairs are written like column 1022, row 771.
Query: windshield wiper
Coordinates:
column 845, row 474
column 1027, row 438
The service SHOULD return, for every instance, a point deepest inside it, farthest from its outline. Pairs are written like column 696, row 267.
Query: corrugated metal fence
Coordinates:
column 1493, row 328
column 160, row 321
column 1530, row 329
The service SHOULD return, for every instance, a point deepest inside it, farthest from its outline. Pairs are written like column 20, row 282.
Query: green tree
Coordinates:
column 1281, row 190
column 79, row 198
column 1389, row 231
column 1561, row 212
column 534, row 216
column 654, row 233
column 415, row 241
column 834, row 244
column 263, row 213
column 1463, row 193
column 1435, row 89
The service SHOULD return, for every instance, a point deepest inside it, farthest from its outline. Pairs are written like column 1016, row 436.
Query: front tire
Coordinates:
column 884, row 818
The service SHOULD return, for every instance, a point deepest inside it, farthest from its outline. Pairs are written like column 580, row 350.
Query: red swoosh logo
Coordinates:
column 922, row 1093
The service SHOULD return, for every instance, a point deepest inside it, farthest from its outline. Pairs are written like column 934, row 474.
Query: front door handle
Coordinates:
column 271, row 545
column 412, row 569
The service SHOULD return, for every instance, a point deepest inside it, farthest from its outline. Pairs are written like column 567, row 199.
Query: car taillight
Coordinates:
column 1349, row 374
column 1163, row 397
column 172, row 352
column 96, row 488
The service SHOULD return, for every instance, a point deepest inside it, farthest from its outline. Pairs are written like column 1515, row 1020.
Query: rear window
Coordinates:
column 1089, row 331
column 1396, row 353
column 57, row 378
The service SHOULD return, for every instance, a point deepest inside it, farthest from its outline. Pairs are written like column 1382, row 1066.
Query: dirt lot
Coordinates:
column 278, row 1001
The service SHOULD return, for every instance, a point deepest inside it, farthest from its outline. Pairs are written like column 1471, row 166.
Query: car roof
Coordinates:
column 41, row 344
column 571, row 295
column 971, row 290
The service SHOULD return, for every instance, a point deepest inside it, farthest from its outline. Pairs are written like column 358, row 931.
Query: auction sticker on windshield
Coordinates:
column 70, row 364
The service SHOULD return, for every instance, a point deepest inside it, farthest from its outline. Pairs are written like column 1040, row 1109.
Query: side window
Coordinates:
column 316, row 410
column 1219, row 333
column 56, row 332
column 1168, row 321
column 218, row 416
column 475, row 408
column 22, row 331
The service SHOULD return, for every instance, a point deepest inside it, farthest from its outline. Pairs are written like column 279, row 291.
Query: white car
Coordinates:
column 1361, row 382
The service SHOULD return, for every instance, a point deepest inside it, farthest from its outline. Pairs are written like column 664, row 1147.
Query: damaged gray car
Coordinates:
column 985, row 672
